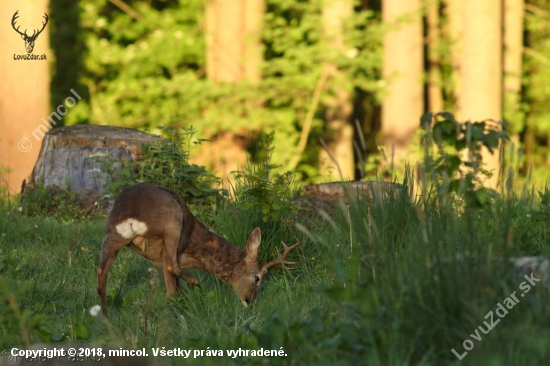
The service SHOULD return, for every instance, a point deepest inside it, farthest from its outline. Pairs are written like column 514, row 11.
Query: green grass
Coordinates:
column 379, row 284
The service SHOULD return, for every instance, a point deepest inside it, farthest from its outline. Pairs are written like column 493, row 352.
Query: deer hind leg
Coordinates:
column 109, row 251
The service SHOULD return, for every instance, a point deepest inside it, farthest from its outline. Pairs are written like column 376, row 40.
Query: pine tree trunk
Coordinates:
column 481, row 71
column 402, row 70
column 513, row 52
column 339, row 128
column 225, row 40
column 233, row 54
column 435, row 94
column 253, row 50
column 233, row 35
column 454, row 11
column 24, row 90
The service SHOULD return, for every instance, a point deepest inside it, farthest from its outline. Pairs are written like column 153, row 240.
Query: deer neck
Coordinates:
column 211, row 253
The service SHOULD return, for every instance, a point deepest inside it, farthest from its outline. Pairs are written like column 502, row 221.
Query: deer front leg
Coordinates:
column 189, row 279
column 171, row 281
column 171, row 268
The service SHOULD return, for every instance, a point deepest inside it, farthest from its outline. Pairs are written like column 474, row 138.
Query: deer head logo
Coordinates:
column 29, row 40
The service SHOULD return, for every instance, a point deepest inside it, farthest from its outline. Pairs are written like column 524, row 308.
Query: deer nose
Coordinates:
column 245, row 302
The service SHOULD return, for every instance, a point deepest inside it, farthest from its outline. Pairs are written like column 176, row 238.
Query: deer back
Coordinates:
column 144, row 212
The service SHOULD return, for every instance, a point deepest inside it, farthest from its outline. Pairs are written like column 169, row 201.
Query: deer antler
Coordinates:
column 276, row 263
column 34, row 34
column 13, row 19
column 43, row 26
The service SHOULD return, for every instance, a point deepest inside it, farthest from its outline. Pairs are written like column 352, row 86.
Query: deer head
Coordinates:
column 247, row 278
column 29, row 40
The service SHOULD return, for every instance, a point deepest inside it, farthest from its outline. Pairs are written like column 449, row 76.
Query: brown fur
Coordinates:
column 175, row 239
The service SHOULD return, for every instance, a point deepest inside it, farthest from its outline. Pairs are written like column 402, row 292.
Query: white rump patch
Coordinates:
column 131, row 228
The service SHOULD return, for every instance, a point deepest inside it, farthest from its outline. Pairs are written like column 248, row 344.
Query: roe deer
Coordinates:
column 155, row 223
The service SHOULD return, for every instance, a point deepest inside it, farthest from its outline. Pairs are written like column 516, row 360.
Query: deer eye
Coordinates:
column 257, row 279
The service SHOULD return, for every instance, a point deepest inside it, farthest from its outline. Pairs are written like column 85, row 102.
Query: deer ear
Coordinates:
column 253, row 243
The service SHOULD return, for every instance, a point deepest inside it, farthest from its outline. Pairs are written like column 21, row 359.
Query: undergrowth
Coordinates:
column 63, row 204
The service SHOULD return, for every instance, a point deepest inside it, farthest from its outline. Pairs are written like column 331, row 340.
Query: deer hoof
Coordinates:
column 193, row 283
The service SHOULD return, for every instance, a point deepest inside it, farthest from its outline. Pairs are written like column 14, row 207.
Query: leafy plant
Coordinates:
column 458, row 167
column 166, row 164
column 258, row 186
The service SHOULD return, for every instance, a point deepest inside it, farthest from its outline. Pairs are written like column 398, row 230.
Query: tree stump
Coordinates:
column 67, row 157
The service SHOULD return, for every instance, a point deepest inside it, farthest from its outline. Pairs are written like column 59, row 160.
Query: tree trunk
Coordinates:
column 513, row 52
column 24, row 90
column 435, row 94
column 455, row 18
column 402, row 70
column 233, row 40
column 481, row 71
column 233, row 54
column 253, row 55
column 339, row 159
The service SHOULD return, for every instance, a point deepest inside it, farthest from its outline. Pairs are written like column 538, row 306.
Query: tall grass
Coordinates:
column 417, row 278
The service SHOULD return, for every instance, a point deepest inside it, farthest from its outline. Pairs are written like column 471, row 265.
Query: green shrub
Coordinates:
column 54, row 202
column 455, row 167
column 166, row 164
